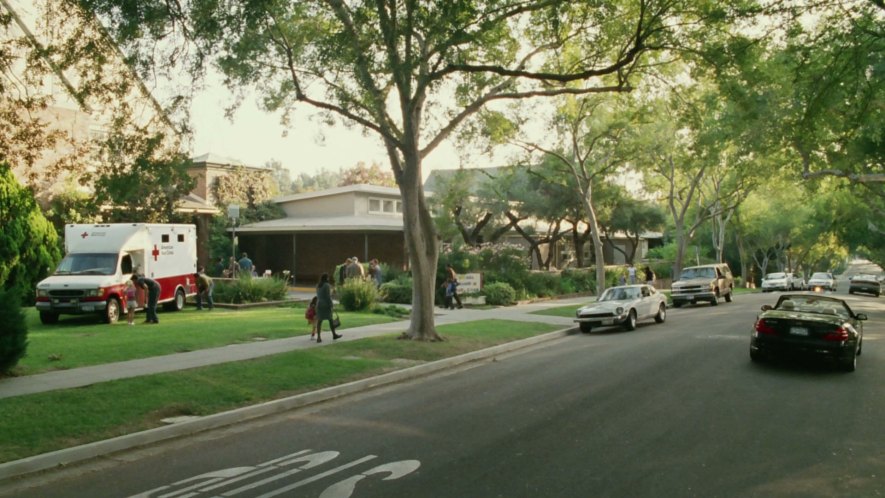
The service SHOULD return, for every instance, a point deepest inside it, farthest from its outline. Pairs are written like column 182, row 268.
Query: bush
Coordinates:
column 575, row 280
column 542, row 284
column 357, row 294
column 13, row 330
column 247, row 289
column 398, row 290
column 499, row 294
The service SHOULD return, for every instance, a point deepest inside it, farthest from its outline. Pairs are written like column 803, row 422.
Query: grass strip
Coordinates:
column 82, row 341
column 44, row 422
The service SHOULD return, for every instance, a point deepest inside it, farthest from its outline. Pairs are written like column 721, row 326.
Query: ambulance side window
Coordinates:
column 126, row 264
column 165, row 238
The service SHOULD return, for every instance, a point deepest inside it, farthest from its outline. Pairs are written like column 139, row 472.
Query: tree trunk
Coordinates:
column 422, row 244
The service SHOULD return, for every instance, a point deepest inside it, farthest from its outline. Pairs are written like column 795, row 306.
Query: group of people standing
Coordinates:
column 630, row 275
column 352, row 268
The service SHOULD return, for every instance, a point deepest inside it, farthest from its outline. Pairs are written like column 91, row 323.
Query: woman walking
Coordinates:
column 324, row 307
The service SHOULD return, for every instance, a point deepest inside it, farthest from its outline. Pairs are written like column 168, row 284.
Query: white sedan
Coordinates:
column 821, row 281
column 624, row 305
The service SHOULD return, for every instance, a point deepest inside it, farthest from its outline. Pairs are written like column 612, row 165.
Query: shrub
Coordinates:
column 574, row 280
column 542, row 284
column 357, row 294
column 246, row 289
column 499, row 293
column 398, row 290
column 13, row 330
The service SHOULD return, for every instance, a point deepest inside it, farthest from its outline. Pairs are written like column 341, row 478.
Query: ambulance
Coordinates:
column 99, row 259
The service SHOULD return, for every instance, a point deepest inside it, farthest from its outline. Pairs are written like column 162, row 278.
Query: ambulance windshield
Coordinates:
column 87, row 264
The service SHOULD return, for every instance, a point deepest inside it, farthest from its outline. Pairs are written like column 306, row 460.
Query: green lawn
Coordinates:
column 78, row 341
column 44, row 422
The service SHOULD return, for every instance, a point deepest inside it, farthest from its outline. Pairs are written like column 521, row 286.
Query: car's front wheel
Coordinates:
column 630, row 324
column 662, row 314
column 48, row 317
column 755, row 356
column 112, row 311
column 585, row 327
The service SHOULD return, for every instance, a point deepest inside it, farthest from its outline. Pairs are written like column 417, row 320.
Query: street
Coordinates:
column 675, row 409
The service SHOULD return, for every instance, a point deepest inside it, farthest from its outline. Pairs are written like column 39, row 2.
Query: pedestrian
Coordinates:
column 245, row 264
column 631, row 273
column 233, row 268
column 311, row 315
column 449, row 288
column 205, row 286
column 218, row 269
column 153, row 295
column 375, row 272
column 450, row 271
column 355, row 269
column 324, row 307
column 131, row 302
column 649, row 275
column 342, row 271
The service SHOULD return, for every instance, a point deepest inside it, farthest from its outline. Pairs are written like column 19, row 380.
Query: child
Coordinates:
column 311, row 315
column 130, row 302
column 448, row 285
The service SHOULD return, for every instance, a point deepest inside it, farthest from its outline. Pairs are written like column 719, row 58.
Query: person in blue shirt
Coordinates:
column 246, row 264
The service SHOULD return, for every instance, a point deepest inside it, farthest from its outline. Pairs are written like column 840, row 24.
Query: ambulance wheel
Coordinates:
column 180, row 299
column 48, row 318
column 112, row 311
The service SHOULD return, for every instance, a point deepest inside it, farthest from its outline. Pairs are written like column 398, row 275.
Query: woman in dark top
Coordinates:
column 324, row 306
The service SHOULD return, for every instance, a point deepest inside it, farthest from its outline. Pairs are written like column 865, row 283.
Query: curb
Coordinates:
column 82, row 453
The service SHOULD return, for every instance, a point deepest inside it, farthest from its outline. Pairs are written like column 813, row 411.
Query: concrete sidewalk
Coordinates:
column 79, row 377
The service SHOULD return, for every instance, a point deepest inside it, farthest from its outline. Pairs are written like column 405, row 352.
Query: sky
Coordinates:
column 256, row 137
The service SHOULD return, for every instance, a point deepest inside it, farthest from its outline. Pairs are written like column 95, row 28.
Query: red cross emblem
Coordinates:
column 155, row 252
column 84, row 234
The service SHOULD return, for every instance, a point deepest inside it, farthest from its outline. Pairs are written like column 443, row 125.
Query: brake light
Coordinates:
column 837, row 335
column 764, row 327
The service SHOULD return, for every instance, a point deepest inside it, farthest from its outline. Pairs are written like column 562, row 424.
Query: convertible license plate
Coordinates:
column 798, row 331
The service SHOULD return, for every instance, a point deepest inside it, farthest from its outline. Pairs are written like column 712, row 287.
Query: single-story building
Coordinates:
column 322, row 229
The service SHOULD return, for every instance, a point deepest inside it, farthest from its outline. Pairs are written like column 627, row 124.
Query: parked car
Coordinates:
column 623, row 305
column 868, row 284
column 778, row 281
column 821, row 281
column 810, row 325
column 703, row 283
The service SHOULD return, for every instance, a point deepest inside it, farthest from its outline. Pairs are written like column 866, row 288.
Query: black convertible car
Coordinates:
column 811, row 325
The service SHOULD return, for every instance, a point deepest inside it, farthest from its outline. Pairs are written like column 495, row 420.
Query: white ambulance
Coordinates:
column 101, row 258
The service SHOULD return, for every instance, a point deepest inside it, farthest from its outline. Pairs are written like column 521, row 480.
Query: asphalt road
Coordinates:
column 673, row 410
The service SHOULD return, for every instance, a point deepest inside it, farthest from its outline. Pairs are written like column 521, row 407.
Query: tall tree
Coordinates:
column 29, row 247
column 361, row 174
column 411, row 72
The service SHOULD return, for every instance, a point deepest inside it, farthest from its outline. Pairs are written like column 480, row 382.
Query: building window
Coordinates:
column 385, row 206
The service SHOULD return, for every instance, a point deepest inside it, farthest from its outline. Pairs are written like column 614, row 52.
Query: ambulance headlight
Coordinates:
column 92, row 292
column 42, row 292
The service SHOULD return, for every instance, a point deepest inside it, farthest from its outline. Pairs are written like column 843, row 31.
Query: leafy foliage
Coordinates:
column 357, row 294
column 247, row 289
column 14, row 332
column 29, row 246
column 398, row 290
column 499, row 294
column 367, row 175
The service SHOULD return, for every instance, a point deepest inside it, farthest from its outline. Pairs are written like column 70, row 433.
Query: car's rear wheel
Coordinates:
column 662, row 314
column 849, row 365
column 176, row 304
column 755, row 356
column 728, row 296
column 630, row 324
column 585, row 327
